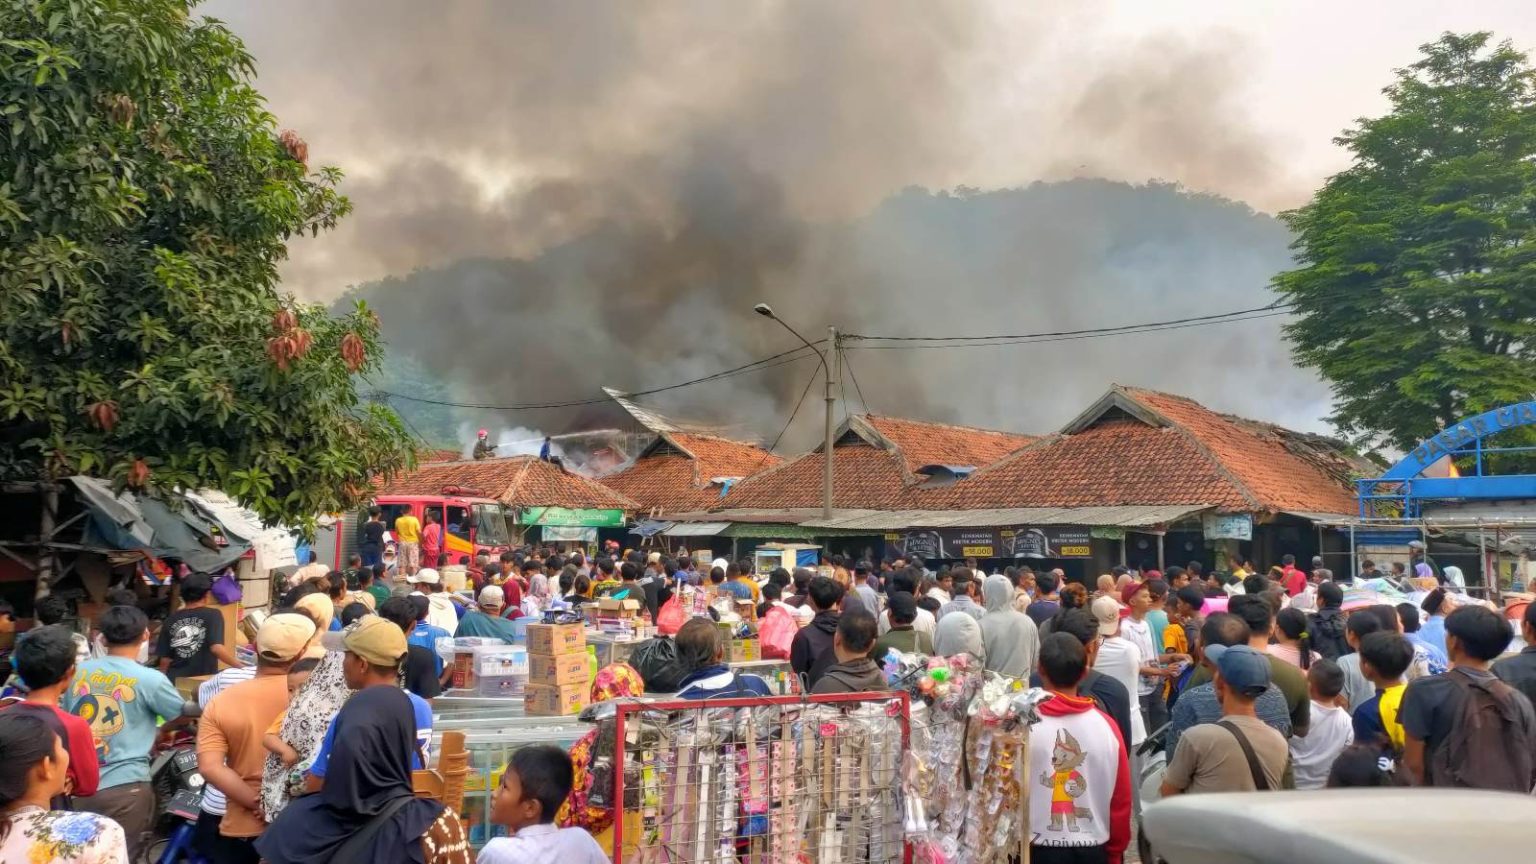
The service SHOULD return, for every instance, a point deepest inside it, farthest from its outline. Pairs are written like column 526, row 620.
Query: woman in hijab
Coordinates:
column 309, row 714
column 959, row 634
column 615, row 681
column 1010, row 638
column 367, row 812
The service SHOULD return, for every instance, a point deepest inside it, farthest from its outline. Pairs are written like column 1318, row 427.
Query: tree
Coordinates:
column 146, row 198
column 1416, row 290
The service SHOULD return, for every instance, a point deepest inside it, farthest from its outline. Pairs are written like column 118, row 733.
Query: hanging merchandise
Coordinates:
column 965, row 775
column 763, row 780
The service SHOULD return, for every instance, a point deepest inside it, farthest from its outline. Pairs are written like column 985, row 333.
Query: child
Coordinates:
column 537, row 781
column 1331, row 731
column 297, row 675
column 1384, row 658
column 1363, row 766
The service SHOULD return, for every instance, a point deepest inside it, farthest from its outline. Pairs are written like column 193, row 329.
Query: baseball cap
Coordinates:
column 376, row 640
column 1130, row 591
column 653, row 558
column 492, row 595
column 426, row 576
column 283, row 637
column 1244, row 669
column 1107, row 612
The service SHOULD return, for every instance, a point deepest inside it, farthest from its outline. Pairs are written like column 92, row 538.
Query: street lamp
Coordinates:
column 766, row 311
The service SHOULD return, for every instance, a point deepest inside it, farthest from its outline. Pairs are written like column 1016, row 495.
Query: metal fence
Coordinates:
column 769, row 780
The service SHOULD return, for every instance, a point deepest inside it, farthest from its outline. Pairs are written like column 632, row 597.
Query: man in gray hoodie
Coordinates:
column 854, row 671
column 1011, row 637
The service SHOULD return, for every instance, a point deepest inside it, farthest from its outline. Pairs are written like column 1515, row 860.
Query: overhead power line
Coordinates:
column 1276, row 308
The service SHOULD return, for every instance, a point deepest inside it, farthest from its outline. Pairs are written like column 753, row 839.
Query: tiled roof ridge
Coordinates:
column 958, row 427
column 1238, row 483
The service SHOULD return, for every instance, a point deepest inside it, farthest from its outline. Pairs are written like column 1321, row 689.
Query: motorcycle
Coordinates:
column 179, row 790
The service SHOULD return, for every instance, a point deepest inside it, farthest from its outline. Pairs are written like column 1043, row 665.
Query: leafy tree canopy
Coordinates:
column 146, row 198
column 1416, row 288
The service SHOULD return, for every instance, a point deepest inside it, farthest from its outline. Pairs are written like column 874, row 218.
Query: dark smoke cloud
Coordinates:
column 600, row 192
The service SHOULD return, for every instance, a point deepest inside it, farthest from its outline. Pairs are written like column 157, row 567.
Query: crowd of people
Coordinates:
column 1245, row 683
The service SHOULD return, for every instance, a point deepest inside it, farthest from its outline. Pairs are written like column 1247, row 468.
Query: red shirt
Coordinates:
column 1295, row 581
column 84, row 770
column 431, row 543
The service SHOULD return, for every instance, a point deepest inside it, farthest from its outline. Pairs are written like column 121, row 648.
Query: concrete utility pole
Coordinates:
column 827, row 358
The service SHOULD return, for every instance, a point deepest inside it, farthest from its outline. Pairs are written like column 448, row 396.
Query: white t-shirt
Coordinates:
column 1120, row 659
column 1312, row 757
column 1140, row 634
column 544, row 844
column 923, row 623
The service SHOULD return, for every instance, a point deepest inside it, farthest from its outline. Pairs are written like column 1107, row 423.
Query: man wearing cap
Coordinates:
column 440, row 612
column 1240, row 753
column 374, row 648
column 487, row 621
column 229, row 752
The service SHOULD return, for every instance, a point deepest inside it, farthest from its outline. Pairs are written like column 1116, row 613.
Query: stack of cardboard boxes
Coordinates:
column 558, row 669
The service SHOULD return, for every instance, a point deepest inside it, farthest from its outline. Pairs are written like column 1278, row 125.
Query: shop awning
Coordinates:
column 1130, row 516
column 696, row 529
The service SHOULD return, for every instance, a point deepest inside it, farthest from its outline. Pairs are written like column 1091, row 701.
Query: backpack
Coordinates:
column 1489, row 747
column 1328, row 635
column 777, row 633
column 656, row 661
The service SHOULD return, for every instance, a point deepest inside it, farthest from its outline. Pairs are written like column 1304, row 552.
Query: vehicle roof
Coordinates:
column 1342, row 826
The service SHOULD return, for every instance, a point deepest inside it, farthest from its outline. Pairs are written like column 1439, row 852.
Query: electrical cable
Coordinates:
column 1276, row 307
column 927, row 343
column 782, row 357
column 855, row 376
column 768, row 451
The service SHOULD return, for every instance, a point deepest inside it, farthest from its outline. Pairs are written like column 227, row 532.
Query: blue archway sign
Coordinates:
column 1459, row 439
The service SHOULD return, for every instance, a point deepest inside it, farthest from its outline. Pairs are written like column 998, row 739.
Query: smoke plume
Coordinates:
column 561, row 196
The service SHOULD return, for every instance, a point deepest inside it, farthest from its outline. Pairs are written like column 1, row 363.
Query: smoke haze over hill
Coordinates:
column 569, row 195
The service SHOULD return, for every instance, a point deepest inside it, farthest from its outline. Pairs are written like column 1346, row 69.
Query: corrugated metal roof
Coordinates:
column 1325, row 518
column 696, row 529
column 1137, row 516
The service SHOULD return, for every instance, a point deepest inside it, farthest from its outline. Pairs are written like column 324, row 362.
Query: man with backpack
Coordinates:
column 1466, row 728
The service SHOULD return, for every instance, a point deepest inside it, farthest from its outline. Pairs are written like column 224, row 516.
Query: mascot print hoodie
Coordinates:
column 1080, row 778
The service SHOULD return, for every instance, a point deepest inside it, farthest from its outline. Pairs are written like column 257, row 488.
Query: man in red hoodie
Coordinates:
column 1080, row 809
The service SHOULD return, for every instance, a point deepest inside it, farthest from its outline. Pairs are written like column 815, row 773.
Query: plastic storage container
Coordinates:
column 500, row 670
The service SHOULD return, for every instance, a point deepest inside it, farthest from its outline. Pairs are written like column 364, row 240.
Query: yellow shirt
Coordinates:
column 408, row 529
column 1391, row 702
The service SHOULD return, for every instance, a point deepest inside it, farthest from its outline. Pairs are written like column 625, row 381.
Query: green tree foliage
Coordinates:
column 1416, row 288
column 146, row 198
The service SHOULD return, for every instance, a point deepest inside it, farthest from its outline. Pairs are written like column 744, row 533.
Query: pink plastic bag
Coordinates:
column 671, row 617
column 777, row 633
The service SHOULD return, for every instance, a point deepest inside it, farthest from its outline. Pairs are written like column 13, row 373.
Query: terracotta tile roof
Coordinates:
column 1118, row 462
column 438, row 455
column 874, row 466
column 864, row 476
column 518, row 481
column 675, row 473
column 1145, row 447
column 942, row 444
column 1257, row 455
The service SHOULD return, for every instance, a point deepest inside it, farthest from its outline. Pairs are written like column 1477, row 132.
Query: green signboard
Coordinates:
column 581, row 517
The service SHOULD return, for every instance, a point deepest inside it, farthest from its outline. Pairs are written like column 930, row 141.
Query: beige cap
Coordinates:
column 653, row 558
column 376, row 640
column 1107, row 612
column 283, row 636
column 427, row 576
column 319, row 608
column 492, row 595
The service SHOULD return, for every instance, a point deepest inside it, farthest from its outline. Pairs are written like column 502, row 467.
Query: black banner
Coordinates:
column 1021, row 542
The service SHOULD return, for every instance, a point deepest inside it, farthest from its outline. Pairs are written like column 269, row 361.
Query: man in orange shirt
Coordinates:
column 230, row 755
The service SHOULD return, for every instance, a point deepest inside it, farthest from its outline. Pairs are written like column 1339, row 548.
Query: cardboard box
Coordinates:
column 557, row 639
column 743, row 650
column 543, row 699
column 558, row 669
column 608, row 607
column 187, row 686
